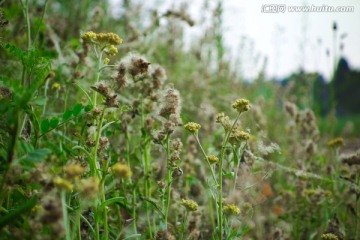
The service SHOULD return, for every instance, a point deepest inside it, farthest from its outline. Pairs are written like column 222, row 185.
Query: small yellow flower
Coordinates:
column 231, row 209
column 192, row 127
column 106, row 61
column 335, row 143
column 190, row 205
column 122, row 171
column 220, row 117
column 241, row 105
column 74, row 170
column 89, row 36
column 212, row 159
column 111, row 51
column 110, row 38
column 329, row 236
column 244, row 136
column 63, row 184
column 56, row 86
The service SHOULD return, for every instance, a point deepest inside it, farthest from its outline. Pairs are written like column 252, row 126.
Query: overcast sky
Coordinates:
column 288, row 40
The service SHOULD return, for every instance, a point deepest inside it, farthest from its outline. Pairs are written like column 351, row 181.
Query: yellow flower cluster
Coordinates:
column 212, row 159
column 241, row 105
column 335, row 143
column 107, row 38
column 74, row 170
column 111, row 50
column 192, row 127
column 231, row 209
column 190, row 205
column 63, row 184
column 329, row 236
column 122, row 171
column 220, row 117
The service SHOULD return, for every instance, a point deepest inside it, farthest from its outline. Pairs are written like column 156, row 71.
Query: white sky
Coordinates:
column 278, row 36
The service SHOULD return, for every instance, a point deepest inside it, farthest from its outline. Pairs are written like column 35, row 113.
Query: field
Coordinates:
column 113, row 127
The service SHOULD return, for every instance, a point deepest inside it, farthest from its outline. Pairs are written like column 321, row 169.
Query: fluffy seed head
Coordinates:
column 74, row 170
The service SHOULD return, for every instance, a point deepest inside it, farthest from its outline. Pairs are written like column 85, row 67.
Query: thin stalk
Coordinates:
column 106, row 229
column 65, row 216
column 183, row 225
column 220, row 214
column 98, row 71
column 238, row 163
column 95, row 149
column 205, row 156
column 168, row 180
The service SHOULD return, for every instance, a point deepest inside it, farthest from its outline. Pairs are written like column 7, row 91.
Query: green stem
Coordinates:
column 168, row 180
column 65, row 216
column 220, row 211
column 183, row 225
column 98, row 71
column 95, row 149
column 205, row 156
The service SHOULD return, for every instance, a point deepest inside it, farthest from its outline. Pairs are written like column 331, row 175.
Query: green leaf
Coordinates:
column 88, row 108
column 67, row 115
column 40, row 101
column 14, row 214
column 45, row 125
column 36, row 156
column 54, row 122
column 112, row 201
column 77, row 109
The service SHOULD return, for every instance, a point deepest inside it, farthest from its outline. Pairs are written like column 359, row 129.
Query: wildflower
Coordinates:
column 63, row 184
column 56, row 86
column 122, row 171
column 329, row 236
column 212, row 159
column 190, row 205
column 89, row 36
column 237, row 137
column 89, row 187
column 336, row 143
column 231, row 209
column 158, row 76
column 111, row 50
column 241, row 105
column 110, row 38
column 192, row 127
column 74, row 170
column 106, row 60
column 220, row 117
column 120, row 78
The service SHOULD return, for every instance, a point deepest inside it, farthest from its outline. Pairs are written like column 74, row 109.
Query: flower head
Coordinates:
column 231, row 209
column 89, row 36
column 190, row 205
column 63, row 184
column 335, row 143
column 212, row 159
column 122, row 171
column 329, row 236
column 241, row 105
column 192, row 127
column 111, row 50
column 74, row 170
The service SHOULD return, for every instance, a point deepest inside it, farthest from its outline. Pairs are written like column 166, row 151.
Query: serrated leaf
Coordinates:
column 77, row 109
column 54, row 122
column 67, row 115
column 45, row 124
